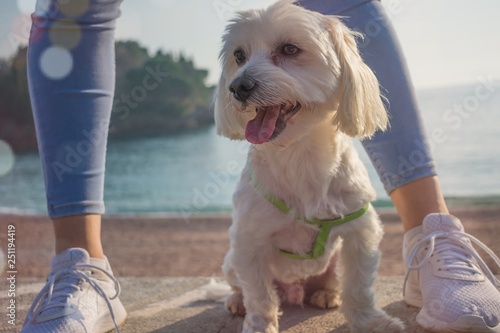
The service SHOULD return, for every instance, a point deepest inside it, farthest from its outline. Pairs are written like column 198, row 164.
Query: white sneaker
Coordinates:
column 447, row 279
column 81, row 295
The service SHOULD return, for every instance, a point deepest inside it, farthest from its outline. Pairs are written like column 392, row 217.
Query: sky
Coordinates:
column 446, row 42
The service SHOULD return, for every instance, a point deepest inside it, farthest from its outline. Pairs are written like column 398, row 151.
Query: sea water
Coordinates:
column 197, row 171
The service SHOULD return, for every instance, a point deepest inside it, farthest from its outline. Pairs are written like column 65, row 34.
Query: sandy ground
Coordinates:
column 145, row 246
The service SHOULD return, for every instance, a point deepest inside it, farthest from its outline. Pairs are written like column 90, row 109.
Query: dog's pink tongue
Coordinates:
column 261, row 128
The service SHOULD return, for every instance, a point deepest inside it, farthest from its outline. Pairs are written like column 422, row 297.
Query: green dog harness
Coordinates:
column 325, row 226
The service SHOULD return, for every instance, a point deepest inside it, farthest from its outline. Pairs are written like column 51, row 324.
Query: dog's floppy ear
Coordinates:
column 228, row 122
column 361, row 111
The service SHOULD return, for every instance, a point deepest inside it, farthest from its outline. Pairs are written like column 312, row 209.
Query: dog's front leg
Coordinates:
column 259, row 294
column 359, row 259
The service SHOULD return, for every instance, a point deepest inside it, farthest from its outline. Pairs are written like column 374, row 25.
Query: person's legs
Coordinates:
column 464, row 296
column 71, row 79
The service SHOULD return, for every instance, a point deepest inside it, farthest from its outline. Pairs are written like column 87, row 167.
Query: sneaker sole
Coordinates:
column 105, row 323
column 413, row 296
column 463, row 324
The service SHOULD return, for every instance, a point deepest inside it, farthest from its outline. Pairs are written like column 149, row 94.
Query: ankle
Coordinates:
column 415, row 200
column 94, row 251
column 79, row 231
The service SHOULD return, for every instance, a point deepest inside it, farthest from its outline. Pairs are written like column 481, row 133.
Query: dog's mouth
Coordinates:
column 269, row 122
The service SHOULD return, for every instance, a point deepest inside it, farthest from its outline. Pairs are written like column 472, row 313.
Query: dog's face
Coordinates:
column 285, row 69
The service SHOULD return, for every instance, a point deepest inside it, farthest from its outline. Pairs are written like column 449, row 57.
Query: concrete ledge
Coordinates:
column 176, row 305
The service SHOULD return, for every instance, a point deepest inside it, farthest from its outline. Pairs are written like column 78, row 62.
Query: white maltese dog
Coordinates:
column 294, row 85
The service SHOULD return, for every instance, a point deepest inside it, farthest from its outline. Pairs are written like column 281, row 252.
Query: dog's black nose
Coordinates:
column 242, row 87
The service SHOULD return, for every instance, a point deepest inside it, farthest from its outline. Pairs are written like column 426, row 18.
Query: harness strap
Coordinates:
column 325, row 226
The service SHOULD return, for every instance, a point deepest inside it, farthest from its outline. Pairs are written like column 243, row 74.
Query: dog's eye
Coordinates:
column 290, row 49
column 239, row 55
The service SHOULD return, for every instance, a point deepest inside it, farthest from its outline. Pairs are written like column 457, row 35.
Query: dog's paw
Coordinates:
column 234, row 304
column 258, row 324
column 387, row 324
column 292, row 294
column 379, row 322
column 325, row 299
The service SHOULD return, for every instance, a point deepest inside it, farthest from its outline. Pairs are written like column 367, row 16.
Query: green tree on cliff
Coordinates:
column 154, row 95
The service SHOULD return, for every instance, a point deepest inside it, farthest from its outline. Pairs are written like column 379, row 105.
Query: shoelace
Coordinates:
column 456, row 254
column 58, row 294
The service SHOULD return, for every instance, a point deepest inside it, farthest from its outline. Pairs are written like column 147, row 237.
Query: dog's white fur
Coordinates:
column 311, row 165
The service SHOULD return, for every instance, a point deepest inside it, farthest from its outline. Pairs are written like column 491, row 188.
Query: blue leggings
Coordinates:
column 71, row 74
